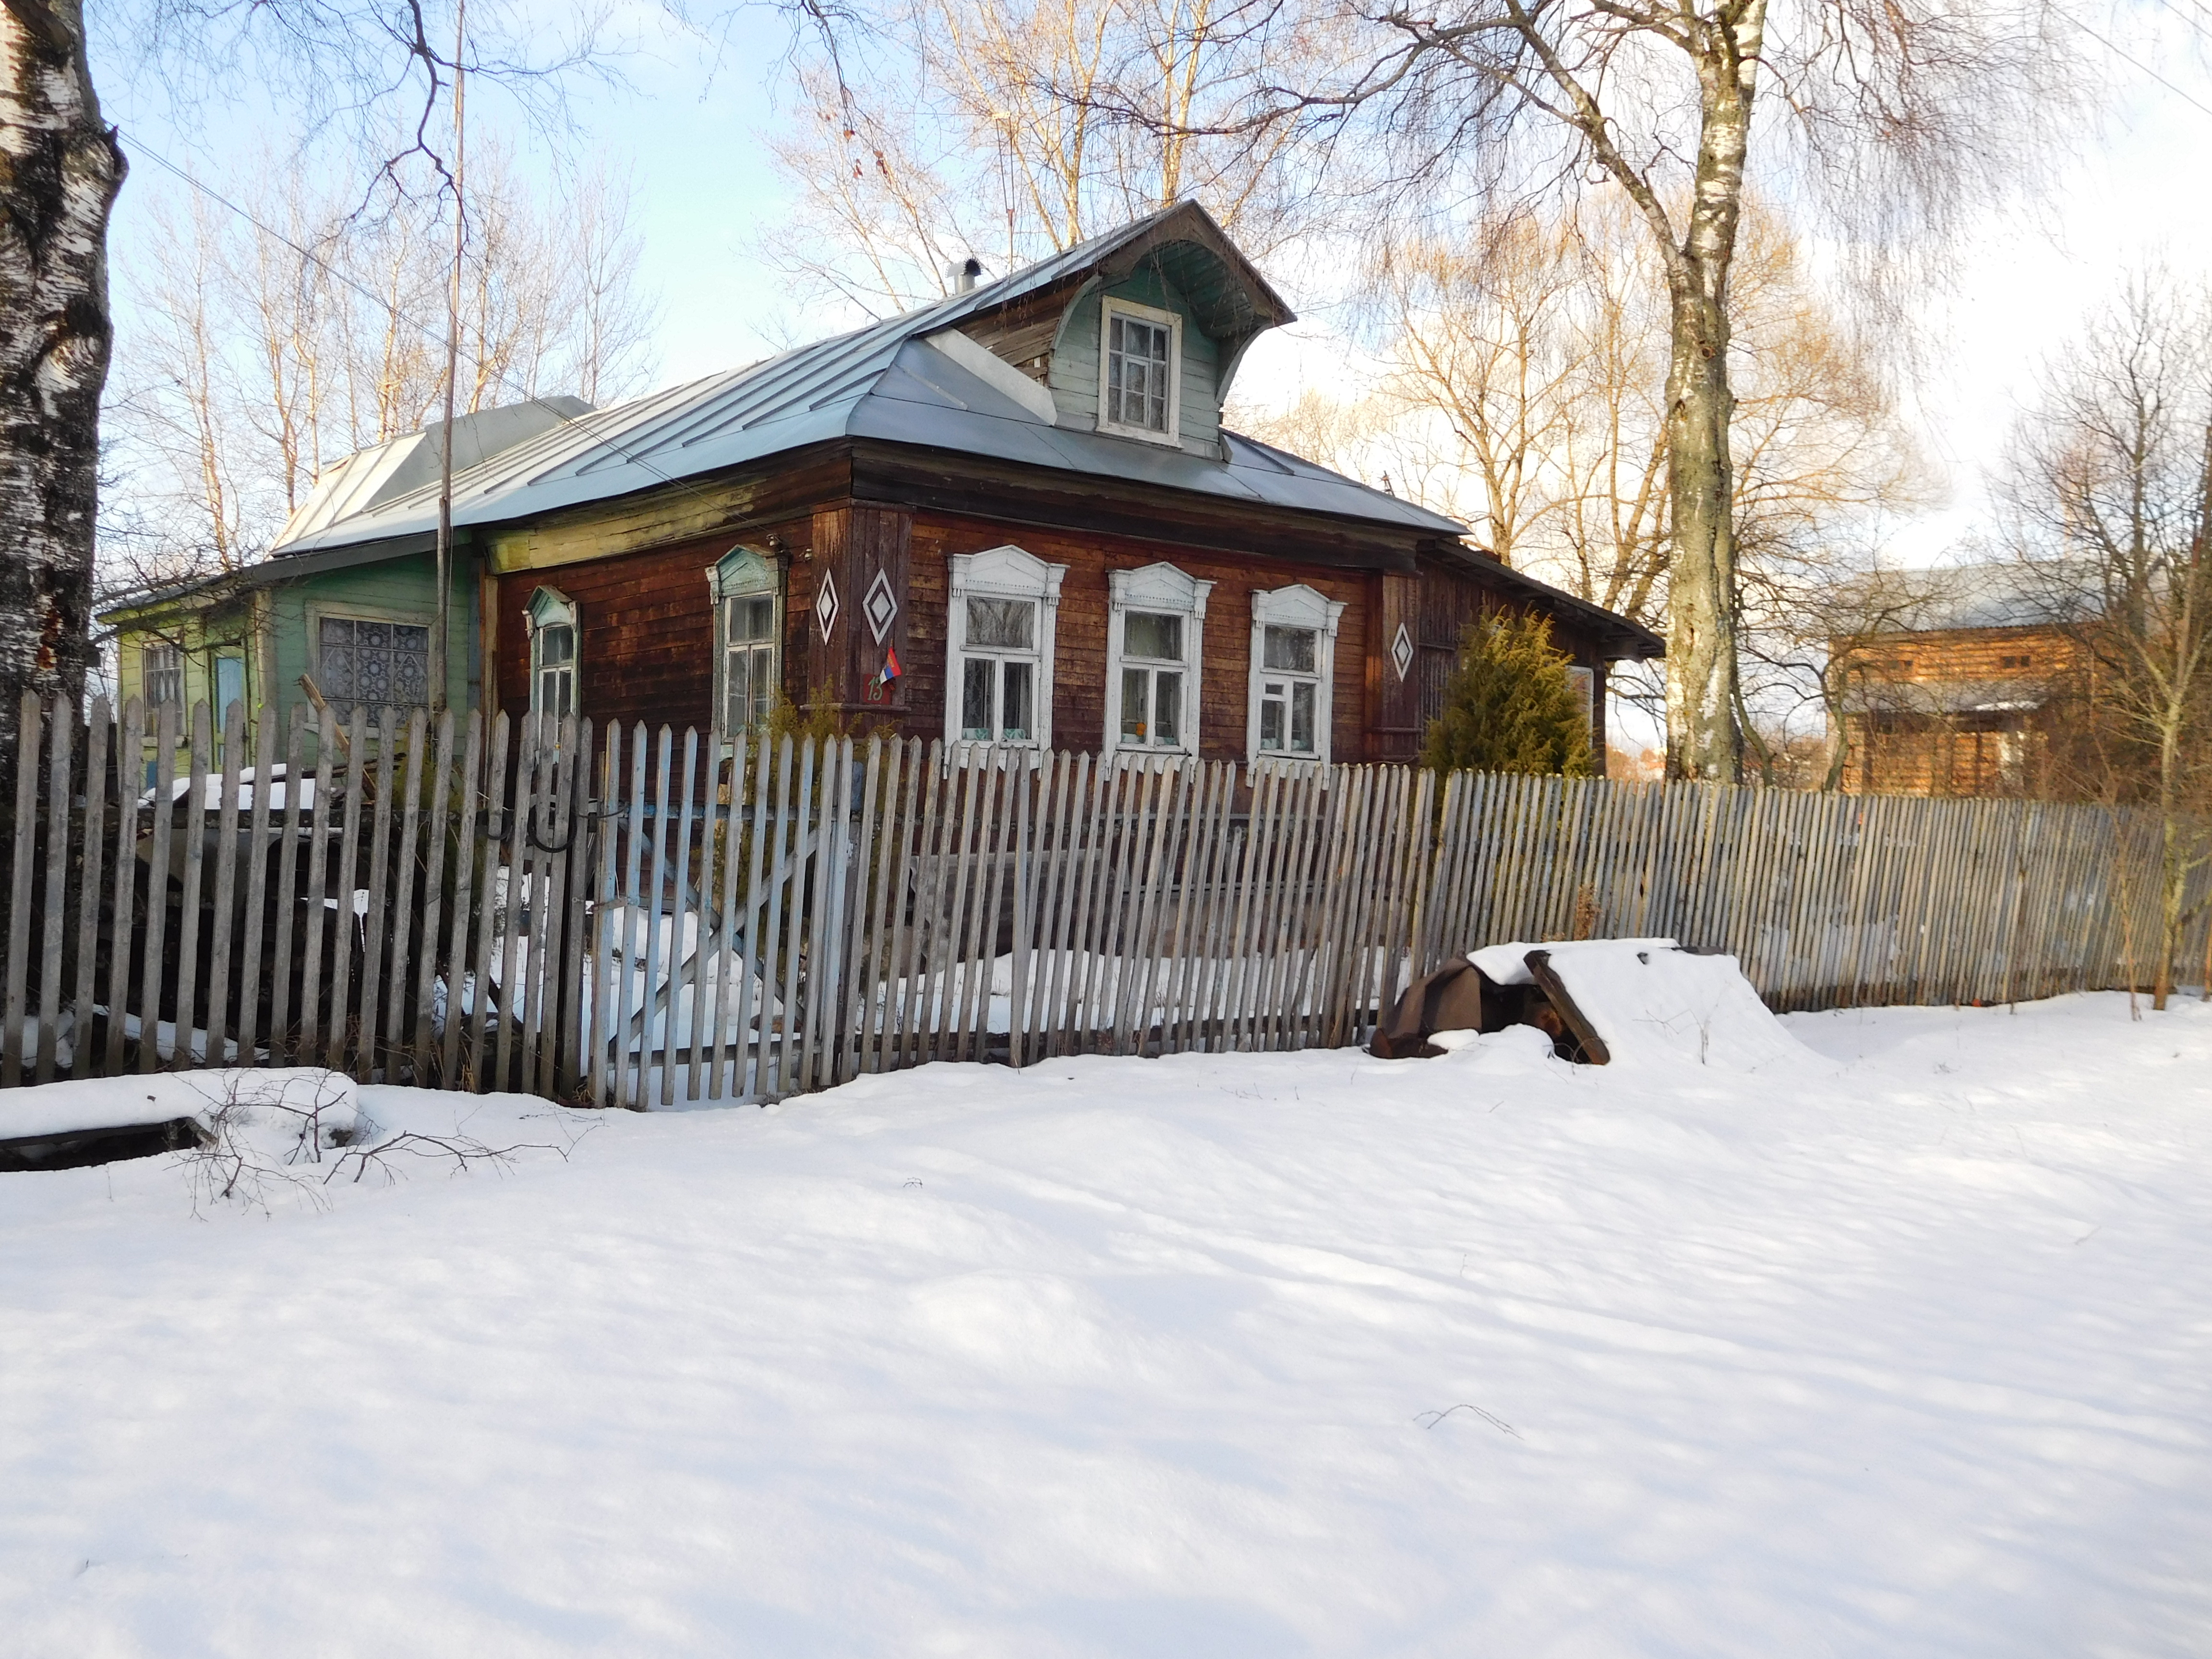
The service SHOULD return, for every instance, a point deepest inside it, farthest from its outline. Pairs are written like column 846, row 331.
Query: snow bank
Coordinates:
column 1900, row 1354
column 264, row 1102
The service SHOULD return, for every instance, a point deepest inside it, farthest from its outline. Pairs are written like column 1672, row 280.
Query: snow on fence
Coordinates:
column 633, row 918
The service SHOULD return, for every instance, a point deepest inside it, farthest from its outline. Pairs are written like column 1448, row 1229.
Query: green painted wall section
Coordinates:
column 274, row 630
column 1075, row 363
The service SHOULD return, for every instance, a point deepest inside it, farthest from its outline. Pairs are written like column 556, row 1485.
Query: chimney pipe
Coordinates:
column 964, row 281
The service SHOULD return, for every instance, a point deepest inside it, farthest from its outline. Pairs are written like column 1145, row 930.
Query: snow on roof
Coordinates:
column 2007, row 593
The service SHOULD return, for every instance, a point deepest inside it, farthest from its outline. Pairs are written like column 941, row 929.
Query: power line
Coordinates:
column 436, row 336
column 2120, row 53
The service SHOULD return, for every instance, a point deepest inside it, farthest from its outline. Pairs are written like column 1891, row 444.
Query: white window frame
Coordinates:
column 172, row 662
column 550, row 607
column 743, row 572
column 1160, row 590
column 1296, row 606
column 1002, row 573
column 1109, row 309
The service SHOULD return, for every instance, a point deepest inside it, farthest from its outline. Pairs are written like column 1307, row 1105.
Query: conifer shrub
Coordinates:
column 1510, row 705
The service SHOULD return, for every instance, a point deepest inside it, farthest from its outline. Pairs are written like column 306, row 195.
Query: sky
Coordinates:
column 692, row 120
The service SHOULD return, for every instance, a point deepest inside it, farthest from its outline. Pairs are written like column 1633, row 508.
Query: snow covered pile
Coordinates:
column 1655, row 1005
column 1899, row 1348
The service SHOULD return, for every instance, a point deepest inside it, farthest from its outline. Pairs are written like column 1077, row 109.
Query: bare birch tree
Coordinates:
column 2109, row 495
column 60, row 168
column 1888, row 119
column 972, row 132
column 264, row 358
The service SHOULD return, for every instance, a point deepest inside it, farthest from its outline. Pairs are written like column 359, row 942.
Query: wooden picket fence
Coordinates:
column 634, row 918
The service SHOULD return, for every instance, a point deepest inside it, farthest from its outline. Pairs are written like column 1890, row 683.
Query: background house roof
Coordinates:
column 886, row 382
column 2010, row 593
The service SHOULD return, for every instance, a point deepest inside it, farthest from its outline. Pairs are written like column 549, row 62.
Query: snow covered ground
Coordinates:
column 1903, row 1350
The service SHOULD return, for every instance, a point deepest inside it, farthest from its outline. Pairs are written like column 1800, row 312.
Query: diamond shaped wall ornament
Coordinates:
column 1401, row 651
column 825, row 606
column 880, row 607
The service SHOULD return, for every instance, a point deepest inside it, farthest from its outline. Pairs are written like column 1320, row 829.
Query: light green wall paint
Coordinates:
column 1074, row 374
column 274, row 629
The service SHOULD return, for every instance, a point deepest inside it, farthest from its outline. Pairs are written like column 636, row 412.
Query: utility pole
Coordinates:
column 438, row 688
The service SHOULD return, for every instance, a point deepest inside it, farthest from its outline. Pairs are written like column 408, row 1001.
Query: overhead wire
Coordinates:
column 582, row 422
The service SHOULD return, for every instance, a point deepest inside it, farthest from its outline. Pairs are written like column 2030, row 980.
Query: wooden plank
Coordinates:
column 792, row 945
column 286, row 900
column 157, row 889
column 188, row 915
column 681, row 954
column 782, row 861
column 470, row 1073
column 84, row 1062
column 823, row 894
column 626, row 998
column 469, row 800
column 431, row 843
column 1075, row 815
column 720, row 867
column 406, row 899
column 752, row 1044
column 652, row 997
column 59, row 753
column 602, row 1021
column 220, row 941
column 374, row 976
column 561, row 1064
column 349, row 879
column 255, row 872
column 856, row 989
column 23, row 857
column 514, row 860
column 130, row 753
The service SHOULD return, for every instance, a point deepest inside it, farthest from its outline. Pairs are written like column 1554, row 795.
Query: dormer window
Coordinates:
column 1138, row 381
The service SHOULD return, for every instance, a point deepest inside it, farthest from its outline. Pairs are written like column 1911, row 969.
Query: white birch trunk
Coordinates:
column 60, row 167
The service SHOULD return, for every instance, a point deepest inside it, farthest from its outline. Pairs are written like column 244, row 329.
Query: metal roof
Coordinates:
column 884, row 382
column 1936, row 599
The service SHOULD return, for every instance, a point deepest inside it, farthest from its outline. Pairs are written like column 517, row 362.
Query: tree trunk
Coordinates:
column 1704, row 737
column 60, row 167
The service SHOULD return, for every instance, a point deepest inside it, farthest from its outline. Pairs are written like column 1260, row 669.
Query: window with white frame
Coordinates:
column 556, row 641
column 1004, row 614
column 161, row 675
column 1155, row 635
column 747, row 594
column 1140, row 357
column 1293, row 662
column 374, row 664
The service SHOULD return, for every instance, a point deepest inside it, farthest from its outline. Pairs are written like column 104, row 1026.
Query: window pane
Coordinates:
column 556, row 644
column 1137, row 373
column 976, row 699
column 411, row 666
column 1135, row 684
column 737, row 694
column 1167, row 709
column 752, row 619
column 1015, row 727
column 1009, row 624
column 1302, row 719
column 763, row 679
column 1271, row 717
column 1291, row 648
column 1145, row 635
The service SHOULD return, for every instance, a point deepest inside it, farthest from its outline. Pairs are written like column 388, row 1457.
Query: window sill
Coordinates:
column 1170, row 439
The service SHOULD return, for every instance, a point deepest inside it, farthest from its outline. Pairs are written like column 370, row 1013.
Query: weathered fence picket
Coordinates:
column 627, row 917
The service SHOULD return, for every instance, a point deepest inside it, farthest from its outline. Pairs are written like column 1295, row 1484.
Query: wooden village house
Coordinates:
column 1013, row 516
column 1957, row 683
